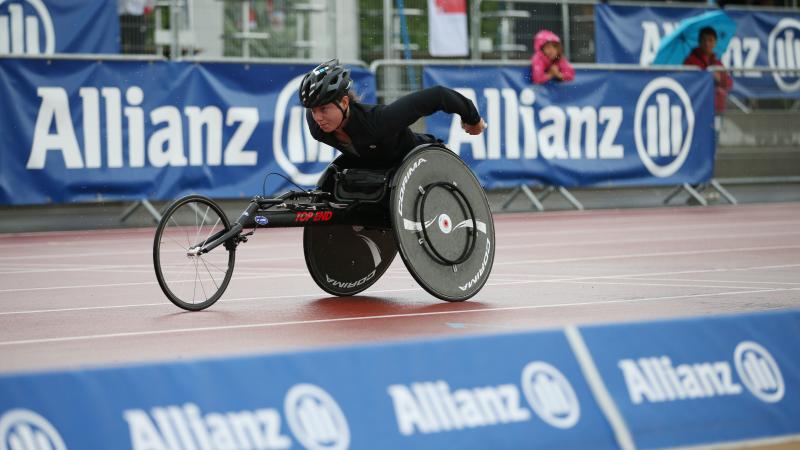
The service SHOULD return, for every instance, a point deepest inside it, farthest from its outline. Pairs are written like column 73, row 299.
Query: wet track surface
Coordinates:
column 90, row 298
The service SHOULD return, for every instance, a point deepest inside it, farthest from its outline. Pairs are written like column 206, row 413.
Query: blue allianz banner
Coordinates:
column 632, row 34
column 701, row 381
column 497, row 392
column 604, row 128
column 122, row 130
column 35, row 27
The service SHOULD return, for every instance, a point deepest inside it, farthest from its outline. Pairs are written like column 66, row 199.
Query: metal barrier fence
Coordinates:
column 757, row 137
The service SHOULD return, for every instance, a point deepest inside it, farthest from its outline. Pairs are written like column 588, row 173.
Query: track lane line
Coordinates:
column 383, row 291
column 365, row 318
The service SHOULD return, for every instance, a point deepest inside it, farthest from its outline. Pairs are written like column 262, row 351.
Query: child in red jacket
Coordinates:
column 703, row 56
column 548, row 62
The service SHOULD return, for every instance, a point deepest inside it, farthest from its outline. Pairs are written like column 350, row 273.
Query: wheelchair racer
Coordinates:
column 374, row 136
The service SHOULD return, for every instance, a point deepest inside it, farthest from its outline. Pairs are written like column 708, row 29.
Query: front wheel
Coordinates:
column 192, row 280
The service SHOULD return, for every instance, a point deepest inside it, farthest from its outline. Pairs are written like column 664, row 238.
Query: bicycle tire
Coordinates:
column 170, row 236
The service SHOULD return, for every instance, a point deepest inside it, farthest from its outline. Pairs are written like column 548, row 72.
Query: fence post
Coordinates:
column 475, row 29
column 174, row 21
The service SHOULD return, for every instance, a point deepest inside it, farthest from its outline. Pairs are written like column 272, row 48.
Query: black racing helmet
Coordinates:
column 327, row 83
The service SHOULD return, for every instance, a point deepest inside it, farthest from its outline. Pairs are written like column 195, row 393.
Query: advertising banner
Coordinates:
column 498, row 392
column 632, row 34
column 125, row 130
column 34, row 27
column 602, row 129
column 701, row 381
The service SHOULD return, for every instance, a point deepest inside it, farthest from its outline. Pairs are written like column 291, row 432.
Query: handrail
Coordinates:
column 86, row 57
column 522, row 62
column 192, row 59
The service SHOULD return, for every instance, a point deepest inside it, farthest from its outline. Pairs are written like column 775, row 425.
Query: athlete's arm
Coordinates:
column 408, row 109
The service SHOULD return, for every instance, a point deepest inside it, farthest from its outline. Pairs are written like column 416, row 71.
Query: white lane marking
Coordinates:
column 378, row 317
column 590, row 228
column 114, row 253
column 141, row 283
column 603, row 282
column 491, row 283
column 648, row 255
column 510, row 263
column 657, row 226
column 574, row 243
column 598, row 388
column 718, row 281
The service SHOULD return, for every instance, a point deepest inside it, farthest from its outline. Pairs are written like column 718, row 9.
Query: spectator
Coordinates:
column 548, row 61
column 703, row 57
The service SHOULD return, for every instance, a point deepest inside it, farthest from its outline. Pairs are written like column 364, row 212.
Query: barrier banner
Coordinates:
column 126, row 130
column 602, row 129
column 700, row 381
column 632, row 34
column 498, row 392
column 36, row 27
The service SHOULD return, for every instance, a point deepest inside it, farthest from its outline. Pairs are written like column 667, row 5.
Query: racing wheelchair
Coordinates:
column 430, row 208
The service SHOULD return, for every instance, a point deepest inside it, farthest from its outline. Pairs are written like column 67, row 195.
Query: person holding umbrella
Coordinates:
column 703, row 56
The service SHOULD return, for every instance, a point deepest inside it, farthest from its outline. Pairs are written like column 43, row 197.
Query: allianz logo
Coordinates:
column 26, row 28
column 312, row 415
column 107, row 121
column 23, row 429
column 663, row 128
column 783, row 52
column 658, row 379
column 428, row 407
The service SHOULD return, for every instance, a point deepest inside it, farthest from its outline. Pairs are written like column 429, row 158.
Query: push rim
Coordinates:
column 192, row 280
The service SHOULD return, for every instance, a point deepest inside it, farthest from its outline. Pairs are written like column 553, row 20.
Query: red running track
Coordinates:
column 90, row 298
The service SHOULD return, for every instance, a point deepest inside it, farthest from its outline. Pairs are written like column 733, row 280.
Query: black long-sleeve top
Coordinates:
column 379, row 133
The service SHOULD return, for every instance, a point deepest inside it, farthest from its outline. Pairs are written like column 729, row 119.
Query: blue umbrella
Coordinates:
column 676, row 46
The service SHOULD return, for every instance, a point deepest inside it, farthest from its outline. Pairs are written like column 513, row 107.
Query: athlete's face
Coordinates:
column 328, row 116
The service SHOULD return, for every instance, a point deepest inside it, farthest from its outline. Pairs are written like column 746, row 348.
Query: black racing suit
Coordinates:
column 380, row 134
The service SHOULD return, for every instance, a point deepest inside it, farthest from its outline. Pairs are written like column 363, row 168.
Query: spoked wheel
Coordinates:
column 192, row 280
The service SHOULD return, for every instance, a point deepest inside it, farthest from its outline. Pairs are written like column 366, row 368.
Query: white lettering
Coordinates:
column 608, row 149
column 235, row 153
column 407, row 411
column 91, row 134
column 352, row 284
column 655, row 379
column 209, row 117
column 144, row 435
column 551, row 136
column 54, row 110
column 457, row 136
column 578, row 118
column 479, row 274
column 113, row 102
column 651, row 39
column 173, row 427
column 403, row 185
column 55, row 130
column 166, row 144
column 135, row 116
column 430, row 407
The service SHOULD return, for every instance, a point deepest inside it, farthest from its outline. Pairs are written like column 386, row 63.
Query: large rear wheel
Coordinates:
column 192, row 280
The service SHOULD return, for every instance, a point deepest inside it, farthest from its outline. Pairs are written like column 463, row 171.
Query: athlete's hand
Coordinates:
column 474, row 129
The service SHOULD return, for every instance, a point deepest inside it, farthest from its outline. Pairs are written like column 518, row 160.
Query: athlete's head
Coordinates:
column 324, row 90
